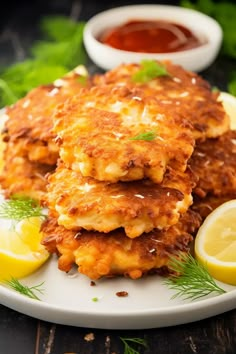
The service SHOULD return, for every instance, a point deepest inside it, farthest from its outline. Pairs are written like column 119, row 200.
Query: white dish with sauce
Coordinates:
column 206, row 29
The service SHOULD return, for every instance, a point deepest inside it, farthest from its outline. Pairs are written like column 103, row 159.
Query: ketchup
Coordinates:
column 150, row 37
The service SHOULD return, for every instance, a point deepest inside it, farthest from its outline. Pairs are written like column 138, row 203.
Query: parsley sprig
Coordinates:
column 191, row 280
column 149, row 70
column 129, row 341
column 60, row 50
column 30, row 292
column 225, row 13
column 148, row 136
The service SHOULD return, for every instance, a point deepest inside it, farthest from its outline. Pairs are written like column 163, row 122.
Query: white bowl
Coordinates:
column 196, row 59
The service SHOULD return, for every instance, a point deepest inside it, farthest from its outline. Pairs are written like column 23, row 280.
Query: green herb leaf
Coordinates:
column 225, row 14
column 10, row 97
column 19, row 208
column 95, row 299
column 215, row 89
column 59, row 52
column 24, row 289
column 22, row 77
column 206, row 6
column 127, row 344
column 58, row 28
column 150, row 69
column 83, row 80
column 191, row 279
column 68, row 53
column 148, row 136
column 232, row 84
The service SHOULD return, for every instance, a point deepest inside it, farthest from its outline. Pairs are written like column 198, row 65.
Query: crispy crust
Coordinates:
column 96, row 129
column 98, row 255
column 23, row 177
column 204, row 206
column 138, row 206
column 214, row 162
column 92, row 188
column 183, row 91
column 29, row 125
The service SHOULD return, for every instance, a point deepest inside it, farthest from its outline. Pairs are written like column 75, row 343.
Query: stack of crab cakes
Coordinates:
column 120, row 196
column 30, row 149
column 127, row 164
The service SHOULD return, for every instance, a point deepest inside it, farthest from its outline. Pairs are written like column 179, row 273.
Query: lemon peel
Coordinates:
column 229, row 104
column 20, row 250
column 215, row 243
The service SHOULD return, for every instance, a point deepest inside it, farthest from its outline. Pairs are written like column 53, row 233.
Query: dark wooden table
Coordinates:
column 20, row 334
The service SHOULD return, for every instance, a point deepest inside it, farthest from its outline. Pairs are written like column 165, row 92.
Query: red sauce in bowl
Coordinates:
column 150, row 37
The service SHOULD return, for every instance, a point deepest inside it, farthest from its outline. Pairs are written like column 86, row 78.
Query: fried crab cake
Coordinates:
column 29, row 120
column 140, row 206
column 99, row 255
column 204, row 206
column 23, row 177
column 184, row 91
column 214, row 163
column 116, row 134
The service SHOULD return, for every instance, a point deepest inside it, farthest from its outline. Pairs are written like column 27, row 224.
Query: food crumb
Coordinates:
column 92, row 283
column 122, row 293
column 89, row 337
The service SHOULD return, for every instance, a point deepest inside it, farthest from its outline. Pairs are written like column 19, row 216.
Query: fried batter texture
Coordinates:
column 134, row 156
column 139, row 206
column 100, row 255
column 29, row 124
column 30, row 149
column 204, row 206
column 23, row 177
column 181, row 91
column 214, row 162
column 101, row 133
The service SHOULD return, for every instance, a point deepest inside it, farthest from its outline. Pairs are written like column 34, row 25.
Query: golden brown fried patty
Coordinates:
column 138, row 206
column 99, row 135
column 98, row 255
column 214, row 163
column 23, row 177
column 204, row 206
column 30, row 120
column 182, row 91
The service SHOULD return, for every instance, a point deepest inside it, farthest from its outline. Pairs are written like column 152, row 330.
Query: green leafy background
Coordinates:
column 61, row 49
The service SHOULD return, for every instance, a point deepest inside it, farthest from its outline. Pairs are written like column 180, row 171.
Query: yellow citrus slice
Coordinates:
column 20, row 250
column 229, row 103
column 215, row 243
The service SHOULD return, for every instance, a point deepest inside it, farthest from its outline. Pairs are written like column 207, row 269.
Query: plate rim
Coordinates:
column 118, row 319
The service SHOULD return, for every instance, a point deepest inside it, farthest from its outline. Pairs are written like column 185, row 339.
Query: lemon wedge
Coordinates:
column 215, row 243
column 20, row 250
column 229, row 104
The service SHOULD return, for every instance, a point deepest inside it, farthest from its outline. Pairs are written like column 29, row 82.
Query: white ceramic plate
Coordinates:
column 68, row 300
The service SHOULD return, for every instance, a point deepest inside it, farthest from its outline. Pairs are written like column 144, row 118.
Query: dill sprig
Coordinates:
column 148, row 136
column 149, row 69
column 127, row 344
column 19, row 208
column 24, row 289
column 191, row 280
